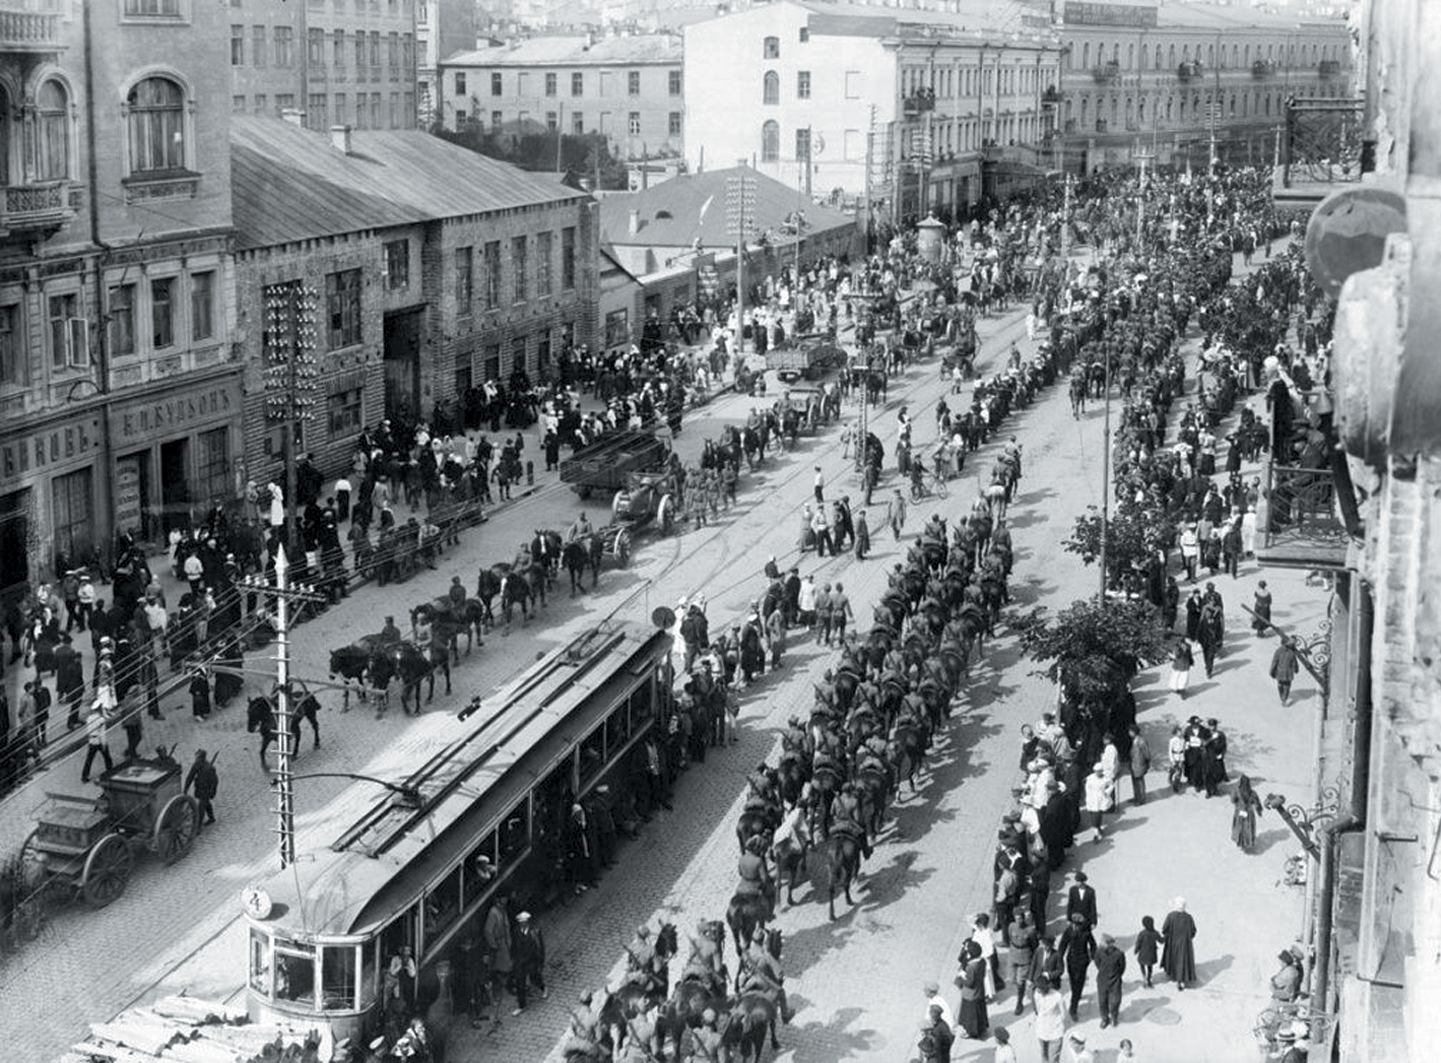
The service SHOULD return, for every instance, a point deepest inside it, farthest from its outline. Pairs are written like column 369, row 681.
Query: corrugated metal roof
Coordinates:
column 671, row 212
column 291, row 184
column 574, row 51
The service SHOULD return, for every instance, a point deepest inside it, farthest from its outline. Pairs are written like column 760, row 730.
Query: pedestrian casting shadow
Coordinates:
column 828, row 1042
column 1139, row 1009
column 889, row 883
column 1267, row 839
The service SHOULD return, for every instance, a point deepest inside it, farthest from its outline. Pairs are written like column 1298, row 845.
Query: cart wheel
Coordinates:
column 666, row 515
column 622, row 548
column 177, row 827
column 107, row 870
column 615, row 506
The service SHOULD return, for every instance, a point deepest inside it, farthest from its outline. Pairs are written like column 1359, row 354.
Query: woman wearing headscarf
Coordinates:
column 972, row 1017
column 1243, row 819
column 1178, row 955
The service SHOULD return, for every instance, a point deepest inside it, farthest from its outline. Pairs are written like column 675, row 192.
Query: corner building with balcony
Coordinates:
column 119, row 396
column 397, row 270
column 912, row 110
column 1159, row 79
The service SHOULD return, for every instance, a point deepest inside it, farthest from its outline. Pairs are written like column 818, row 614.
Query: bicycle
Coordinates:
column 927, row 485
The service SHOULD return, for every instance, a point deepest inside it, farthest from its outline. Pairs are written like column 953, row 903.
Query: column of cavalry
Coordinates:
column 814, row 815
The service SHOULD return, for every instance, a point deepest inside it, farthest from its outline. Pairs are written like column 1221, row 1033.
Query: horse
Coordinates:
column 834, row 865
column 1078, row 395
column 789, row 854
column 575, row 558
column 910, row 750
column 487, row 586
column 350, row 664
column 260, row 716
column 744, row 913
column 412, row 664
column 625, row 1003
column 515, row 589
column 756, row 1012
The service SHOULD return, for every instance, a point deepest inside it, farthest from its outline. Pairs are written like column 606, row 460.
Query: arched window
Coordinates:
column 52, row 107
column 1115, row 51
column 771, row 142
column 1266, row 103
column 1170, row 106
column 1235, row 55
column 1115, row 109
column 771, row 48
column 1246, row 61
column 1130, row 112
column 1181, row 110
column 1086, row 56
column 1210, row 55
column 156, row 117
column 771, row 90
column 1233, row 105
column 1085, row 109
column 1131, row 57
column 1245, row 105
column 1171, row 61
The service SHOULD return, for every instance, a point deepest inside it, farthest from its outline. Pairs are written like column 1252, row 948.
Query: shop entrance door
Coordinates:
column 174, row 486
column 402, row 366
column 14, row 540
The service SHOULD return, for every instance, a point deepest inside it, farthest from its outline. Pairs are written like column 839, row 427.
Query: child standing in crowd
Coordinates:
column 1147, row 942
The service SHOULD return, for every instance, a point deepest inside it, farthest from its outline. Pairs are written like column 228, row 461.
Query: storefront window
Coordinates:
column 74, row 514
column 337, row 968
column 212, row 464
column 294, row 972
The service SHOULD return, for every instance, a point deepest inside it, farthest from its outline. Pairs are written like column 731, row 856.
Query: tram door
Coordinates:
column 400, row 934
column 553, row 800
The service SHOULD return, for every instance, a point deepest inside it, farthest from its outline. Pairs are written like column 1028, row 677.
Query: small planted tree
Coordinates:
column 1133, row 536
column 1094, row 649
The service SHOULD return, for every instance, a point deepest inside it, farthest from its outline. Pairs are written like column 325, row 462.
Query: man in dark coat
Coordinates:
column 202, row 778
column 1110, row 964
column 1078, row 947
column 528, row 953
column 1081, row 900
column 1178, row 955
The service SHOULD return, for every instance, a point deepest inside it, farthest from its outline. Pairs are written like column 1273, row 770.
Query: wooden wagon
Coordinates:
column 85, row 846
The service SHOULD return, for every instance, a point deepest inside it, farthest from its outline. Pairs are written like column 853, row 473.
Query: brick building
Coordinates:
column 119, row 395
column 337, row 63
column 626, row 88
column 421, row 268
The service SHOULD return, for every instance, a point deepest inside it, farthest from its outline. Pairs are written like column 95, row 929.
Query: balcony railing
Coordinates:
column 29, row 31
column 47, row 205
column 1321, row 148
column 1302, row 525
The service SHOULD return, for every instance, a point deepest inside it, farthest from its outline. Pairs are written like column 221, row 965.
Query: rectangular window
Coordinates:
column 69, row 342
column 202, row 306
column 342, row 117
column 495, row 84
column 496, row 121
column 673, row 124
column 122, row 320
column 375, row 110
column 317, row 114
column 407, row 51
column 518, row 267
column 407, row 109
column 460, row 85
column 567, row 258
column 212, row 464
column 853, row 84
column 284, row 46
column 633, row 123
column 805, row 34
column 72, row 498
column 337, row 49
column 361, row 52
column 284, row 101
column 397, row 264
column 12, row 347
column 315, row 47
column 552, row 121
column 258, row 45
column 360, row 120
column 345, row 412
column 153, row 8
column 632, row 83
column 803, row 144
column 617, row 328
column 237, row 105
column 342, row 304
column 460, row 118
column 673, row 82
column 237, row 45
column 542, row 263
column 550, row 84
column 577, row 84
column 492, row 274
column 374, row 55
column 577, row 124
column 395, row 110
column 517, row 353
column 464, row 279
column 162, row 312
column 392, row 54
column 803, row 84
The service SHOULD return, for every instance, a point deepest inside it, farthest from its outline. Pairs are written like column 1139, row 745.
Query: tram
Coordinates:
column 484, row 816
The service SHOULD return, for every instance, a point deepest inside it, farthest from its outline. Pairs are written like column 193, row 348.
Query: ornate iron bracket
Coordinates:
column 1304, row 824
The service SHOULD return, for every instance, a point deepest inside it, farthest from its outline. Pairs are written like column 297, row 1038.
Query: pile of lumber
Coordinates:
column 190, row 1030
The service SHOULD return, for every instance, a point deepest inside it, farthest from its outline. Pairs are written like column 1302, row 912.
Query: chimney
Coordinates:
column 293, row 115
column 589, row 39
column 340, row 138
column 634, row 222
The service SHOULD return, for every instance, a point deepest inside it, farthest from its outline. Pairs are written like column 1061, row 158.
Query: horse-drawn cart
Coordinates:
column 810, row 357
column 606, row 463
column 86, row 846
column 647, row 497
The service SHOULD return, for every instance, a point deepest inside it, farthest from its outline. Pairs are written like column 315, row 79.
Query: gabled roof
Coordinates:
column 290, row 184
column 574, row 51
column 677, row 212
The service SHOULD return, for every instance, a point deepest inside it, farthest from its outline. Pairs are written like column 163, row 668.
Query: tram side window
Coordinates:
column 294, row 972
column 260, row 962
column 515, row 834
column 479, row 869
column 442, row 905
column 642, row 707
column 592, row 755
column 337, row 972
column 617, row 729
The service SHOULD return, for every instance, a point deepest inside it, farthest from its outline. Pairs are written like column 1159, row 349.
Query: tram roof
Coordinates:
column 385, row 859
